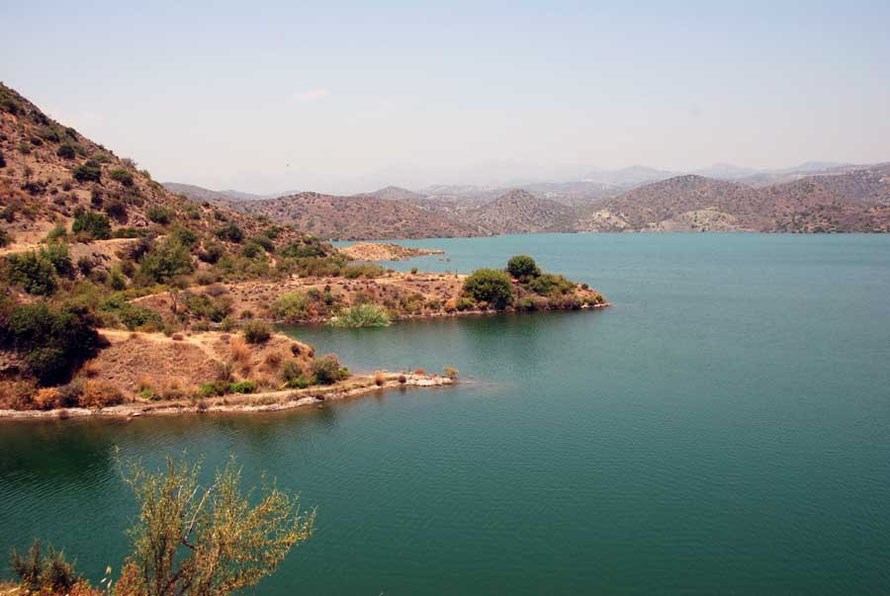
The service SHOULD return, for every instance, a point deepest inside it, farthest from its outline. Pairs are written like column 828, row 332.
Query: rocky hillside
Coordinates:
column 520, row 212
column 358, row 217
column 50, row 174
column 850, row 201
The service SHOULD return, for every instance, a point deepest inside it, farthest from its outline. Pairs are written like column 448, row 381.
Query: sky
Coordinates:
column 349, row 96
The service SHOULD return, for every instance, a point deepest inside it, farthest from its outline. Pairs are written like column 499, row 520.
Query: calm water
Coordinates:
column 723, row 428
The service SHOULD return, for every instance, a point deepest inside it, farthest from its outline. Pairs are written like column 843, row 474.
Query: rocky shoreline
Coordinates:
column 273, row 401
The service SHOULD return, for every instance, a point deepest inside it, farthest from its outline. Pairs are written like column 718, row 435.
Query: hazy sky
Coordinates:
column 334, row 96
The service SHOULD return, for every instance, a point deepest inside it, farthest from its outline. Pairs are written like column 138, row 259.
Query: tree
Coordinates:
column 197, row 540
column 165, row 261
column 522, row 267
column 491, row 286
column 95, row 225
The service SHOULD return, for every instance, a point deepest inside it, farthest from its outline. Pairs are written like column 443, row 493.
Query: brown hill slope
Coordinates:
column 520, row 212
column 358, row 218
column 49, row 173
column 852, row 201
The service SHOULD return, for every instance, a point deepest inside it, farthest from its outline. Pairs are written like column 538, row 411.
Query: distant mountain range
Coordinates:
column 812, row 197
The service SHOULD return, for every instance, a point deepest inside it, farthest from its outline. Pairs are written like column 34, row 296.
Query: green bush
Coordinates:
column 257, row 332
column 122, row 176
column 522, row 266
column 44, row 574
column 95, row 225
column 88, row 172
column 231, row 232
column 5, row 238
column 165, row 261
column 490, row 286
column 291, row 374
column 203, row 306
column 66, row 151
column 34, row 272
column 159, row 215
column 327, row 369
column 57, row 254
column 54, row 341
column 302, row 250
column 292, row 307
column 214, row 388
column 246, row 386
column 548, row 284
column 211, row 253
column 362, row 315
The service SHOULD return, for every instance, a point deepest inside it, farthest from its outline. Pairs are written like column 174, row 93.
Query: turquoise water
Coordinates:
column 722, row 428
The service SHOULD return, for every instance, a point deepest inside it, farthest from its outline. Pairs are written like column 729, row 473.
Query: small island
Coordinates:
column 384, row 251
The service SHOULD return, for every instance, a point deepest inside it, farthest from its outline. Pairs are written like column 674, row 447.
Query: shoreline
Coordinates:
column 271, row 401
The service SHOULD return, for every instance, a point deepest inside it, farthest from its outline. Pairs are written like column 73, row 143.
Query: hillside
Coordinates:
column 520, row 212
column 358, row 218
column 50, row 174
column 200, row 194
column 850, row 201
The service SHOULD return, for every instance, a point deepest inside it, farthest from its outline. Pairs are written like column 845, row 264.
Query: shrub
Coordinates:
column 44, row 574
column 522, row 266
column 246, row 386
column 34, row 272
column 291, row 373
column 5, row 238
column 88, row 172
column 231, row 232
column 450, row 372
column 53, row 341
column 212, row 252
column 92, row 224
column 117, row 209
column 548, row 284
column 100, row 394
column 362, row 315
column 203, row 306
column 257, row 332
column 292, row 307
column 165, row 261
column 57, row 254
column 327, row 369
column 158, row 214
column 214, row 388
column 379, row 378
column 66, row 151
column 491, row 286
column 302, row 250
column 122, row 176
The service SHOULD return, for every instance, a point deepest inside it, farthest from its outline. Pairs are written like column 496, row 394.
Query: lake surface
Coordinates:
column 724, row 427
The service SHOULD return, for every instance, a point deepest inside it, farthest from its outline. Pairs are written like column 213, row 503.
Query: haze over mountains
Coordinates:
column 812, row 197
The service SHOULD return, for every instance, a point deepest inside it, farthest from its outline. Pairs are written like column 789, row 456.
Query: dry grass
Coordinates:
column 240, row 354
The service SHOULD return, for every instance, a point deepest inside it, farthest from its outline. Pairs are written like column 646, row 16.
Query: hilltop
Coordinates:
column 358, row 217
column 519, row 212
column 856, row 200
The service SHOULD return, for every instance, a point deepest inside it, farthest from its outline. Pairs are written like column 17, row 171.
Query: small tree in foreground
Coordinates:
column 191, row 539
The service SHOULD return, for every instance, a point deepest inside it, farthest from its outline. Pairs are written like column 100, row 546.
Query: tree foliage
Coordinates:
column 95, row 225
column 490, row 286
column 191, row 539
column 522, row 267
